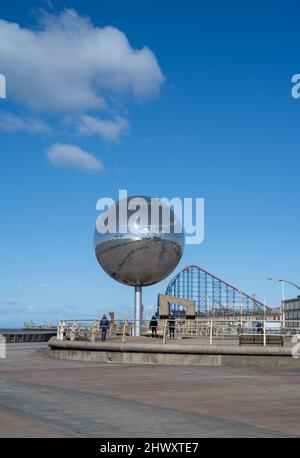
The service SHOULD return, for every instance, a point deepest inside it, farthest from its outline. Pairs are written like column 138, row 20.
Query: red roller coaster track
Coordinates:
column 194, row 282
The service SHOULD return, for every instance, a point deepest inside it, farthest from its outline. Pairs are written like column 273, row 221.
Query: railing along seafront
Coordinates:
column 210, row 330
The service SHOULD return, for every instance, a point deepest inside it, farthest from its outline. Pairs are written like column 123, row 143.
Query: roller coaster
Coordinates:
column 212, row 295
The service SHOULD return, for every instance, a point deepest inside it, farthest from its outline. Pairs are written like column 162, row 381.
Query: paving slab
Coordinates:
column 44, row 397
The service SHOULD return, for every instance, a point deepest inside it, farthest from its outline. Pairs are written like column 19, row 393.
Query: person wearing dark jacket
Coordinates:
column 171, row 323
column 104, row 325
column 153, row 326
column 260, row 327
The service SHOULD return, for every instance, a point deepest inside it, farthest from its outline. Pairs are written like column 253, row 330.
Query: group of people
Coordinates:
column 171, row 326
column 104, row 326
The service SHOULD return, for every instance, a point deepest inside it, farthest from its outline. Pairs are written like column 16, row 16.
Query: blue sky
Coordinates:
column 212, row 116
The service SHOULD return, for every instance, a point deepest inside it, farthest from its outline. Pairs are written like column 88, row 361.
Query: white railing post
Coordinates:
column 211, row 332
column 124, row 333
column 165, row 332
column 60, row 330
column 95, row 330
column 73, row 330
column 265, row 338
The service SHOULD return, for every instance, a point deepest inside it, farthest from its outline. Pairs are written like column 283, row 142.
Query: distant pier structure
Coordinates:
column 28, row 335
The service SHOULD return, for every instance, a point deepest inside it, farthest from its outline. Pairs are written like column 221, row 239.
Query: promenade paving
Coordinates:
column 44, row 397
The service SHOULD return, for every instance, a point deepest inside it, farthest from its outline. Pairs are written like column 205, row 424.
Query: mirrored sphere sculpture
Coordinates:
column 137, row 252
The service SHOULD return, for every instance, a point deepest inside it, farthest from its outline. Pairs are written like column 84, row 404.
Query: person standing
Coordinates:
column 153, row 326
column 239, row 329
column 104, row 325
column 172, row 327
column 260, row 327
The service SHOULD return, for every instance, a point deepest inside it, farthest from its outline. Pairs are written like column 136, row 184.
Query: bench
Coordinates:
column 258, row 339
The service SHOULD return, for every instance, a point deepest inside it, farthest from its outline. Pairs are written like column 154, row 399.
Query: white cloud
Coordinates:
column 70, row 156
column 31, row 308
column 11, row 302
column 110, row 130
column 12, row 123
column 41, row 285
column 70, row 64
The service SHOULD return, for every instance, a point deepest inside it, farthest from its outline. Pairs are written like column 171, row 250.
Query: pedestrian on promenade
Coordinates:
column 172, row 327
column 153, row 326
column 104, row 325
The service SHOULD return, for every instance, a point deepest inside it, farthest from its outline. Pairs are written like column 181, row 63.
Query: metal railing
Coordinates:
column 210, row 330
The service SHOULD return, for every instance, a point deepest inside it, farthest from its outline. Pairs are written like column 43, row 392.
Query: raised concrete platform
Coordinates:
column 173, row 354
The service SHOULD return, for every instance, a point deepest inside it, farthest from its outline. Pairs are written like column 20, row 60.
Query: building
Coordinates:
column 292, row 312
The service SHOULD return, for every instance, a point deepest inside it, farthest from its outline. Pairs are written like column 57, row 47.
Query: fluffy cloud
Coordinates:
column 12, row 123
column 70, row 156
column 12, row 302
column 68, row 69
column 68, row 64
column 110, row 130
column 41, row 285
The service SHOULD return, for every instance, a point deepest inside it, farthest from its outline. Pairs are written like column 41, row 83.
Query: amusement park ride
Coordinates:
column 212, row 296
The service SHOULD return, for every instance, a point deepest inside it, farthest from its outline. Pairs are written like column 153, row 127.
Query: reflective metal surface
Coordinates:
column 144, row 257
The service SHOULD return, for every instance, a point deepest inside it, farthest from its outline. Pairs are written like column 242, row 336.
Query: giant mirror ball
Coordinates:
column 147, row 253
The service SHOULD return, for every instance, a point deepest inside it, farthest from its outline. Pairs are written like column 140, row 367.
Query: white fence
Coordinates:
column 209, row 330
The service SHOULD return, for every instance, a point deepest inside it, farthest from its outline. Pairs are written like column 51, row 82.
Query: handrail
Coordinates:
column 212, row 328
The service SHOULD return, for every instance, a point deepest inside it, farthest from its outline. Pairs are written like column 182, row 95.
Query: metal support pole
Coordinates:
column 138, row 312
column 211, row 332
column 283, row 306
column 241, row 322
column 265, row 339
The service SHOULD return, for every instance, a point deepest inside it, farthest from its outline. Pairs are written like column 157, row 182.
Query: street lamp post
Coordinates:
column 282, row 281
column 282, row 304
column 265, row 309
column 241, row 312
column 207, row 304
column 241, row 308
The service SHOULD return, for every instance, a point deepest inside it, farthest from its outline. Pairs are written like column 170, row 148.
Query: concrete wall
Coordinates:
column 200, row 355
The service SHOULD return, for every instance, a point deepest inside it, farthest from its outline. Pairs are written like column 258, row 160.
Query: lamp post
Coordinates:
column 241, row 308
column 282, row 281
column 207, row 303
